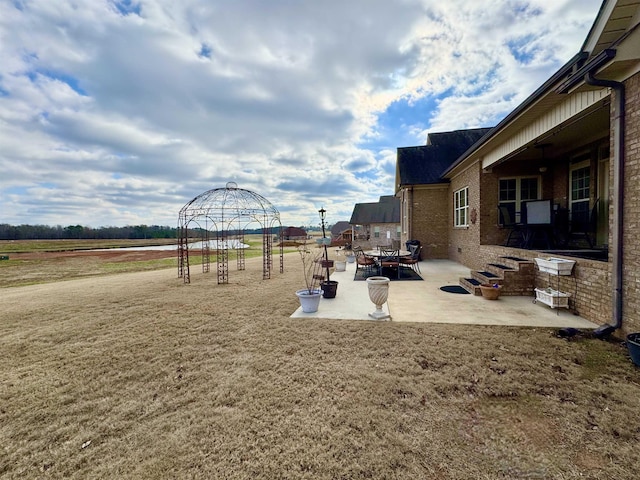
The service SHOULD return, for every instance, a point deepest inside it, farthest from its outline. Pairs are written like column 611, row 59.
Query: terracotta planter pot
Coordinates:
column 490, row 292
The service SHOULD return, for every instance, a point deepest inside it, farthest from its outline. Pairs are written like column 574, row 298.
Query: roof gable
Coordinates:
column 387, row 210
column 424, row 164
column 340, row 227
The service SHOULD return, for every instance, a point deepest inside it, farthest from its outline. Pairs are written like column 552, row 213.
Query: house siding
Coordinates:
column 574, row 104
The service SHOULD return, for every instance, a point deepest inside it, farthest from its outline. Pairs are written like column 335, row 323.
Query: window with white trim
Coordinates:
column 513, row 192
column 580, row 188
column 376, row 232
column 461, row 207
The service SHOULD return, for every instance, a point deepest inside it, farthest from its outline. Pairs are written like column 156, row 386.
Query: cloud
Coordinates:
column 118, row 112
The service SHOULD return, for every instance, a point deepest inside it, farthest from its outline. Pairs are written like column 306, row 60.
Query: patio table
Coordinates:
column 378, row 254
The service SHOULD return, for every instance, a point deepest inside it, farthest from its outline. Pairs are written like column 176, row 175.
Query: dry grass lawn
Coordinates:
column 138, row 376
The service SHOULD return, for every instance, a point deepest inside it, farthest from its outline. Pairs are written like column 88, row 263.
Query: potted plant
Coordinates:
column 341, row 264
column 312, row 270
column 490, row 292
column 348, row 253
column 633, row 345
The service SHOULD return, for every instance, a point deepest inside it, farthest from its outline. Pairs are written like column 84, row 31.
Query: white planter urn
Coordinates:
column 341, row 265
column 309, row 301
column 378, row 294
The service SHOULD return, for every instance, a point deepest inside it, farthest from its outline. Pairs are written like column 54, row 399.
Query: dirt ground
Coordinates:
column 137, row 375
column 27, row 268
column 113, row 255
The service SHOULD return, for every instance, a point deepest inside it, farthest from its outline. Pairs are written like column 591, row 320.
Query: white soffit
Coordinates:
column 545, row 122
column 615, row 18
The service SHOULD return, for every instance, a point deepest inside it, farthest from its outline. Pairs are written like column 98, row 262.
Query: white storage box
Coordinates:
column 555, row 266
column 553, row 298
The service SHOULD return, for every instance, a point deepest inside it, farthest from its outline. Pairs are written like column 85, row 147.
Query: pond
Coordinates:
column 213, row 245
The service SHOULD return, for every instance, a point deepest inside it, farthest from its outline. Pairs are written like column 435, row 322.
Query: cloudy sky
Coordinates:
column 119, row 112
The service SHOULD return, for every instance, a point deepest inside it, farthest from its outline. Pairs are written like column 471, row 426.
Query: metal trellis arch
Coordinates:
column 227, row 212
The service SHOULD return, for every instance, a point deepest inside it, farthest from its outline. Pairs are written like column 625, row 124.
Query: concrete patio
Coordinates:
column 424, row 302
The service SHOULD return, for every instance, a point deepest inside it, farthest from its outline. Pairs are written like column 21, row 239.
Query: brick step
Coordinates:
column 515, row 274
column 500, row 270
column 499, row 266
column 471, row 285
column 485, row 276
column 517, row 263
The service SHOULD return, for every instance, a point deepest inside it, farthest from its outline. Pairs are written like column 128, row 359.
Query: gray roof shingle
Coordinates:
column 386, row 210
column 424, row 164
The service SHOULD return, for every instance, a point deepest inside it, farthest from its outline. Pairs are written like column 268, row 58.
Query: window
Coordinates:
column 461, row 208
column 514, row 191
column 580, row 182
column 376, row 232
column 398, row 231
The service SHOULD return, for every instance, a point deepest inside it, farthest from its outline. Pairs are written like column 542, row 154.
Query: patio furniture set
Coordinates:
column 545, row 225
column 388, row 258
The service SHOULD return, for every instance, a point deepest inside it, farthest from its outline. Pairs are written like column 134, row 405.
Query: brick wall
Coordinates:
column 464, row 242
column 491, row 233
column 430, row 220
column 589, row 285
column 631, row 229
column 373, row 241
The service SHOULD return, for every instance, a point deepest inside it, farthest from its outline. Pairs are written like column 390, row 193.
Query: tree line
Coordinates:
column 58, row 232
column 79, row 232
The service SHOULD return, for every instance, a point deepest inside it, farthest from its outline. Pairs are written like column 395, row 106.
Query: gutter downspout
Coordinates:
column 618, row 187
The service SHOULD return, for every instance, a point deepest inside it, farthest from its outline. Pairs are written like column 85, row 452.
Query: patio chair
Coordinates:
column 506, row 216
column 584, row 224
column 412, row 260
column 363, row 261
column 390, row 258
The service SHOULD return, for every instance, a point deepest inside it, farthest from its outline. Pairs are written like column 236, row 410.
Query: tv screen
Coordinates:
column 538, row 212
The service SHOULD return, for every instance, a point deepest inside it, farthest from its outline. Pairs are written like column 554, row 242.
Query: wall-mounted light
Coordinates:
column 542, row 169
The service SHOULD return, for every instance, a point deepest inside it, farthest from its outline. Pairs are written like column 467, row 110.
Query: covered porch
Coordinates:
column 551, row 193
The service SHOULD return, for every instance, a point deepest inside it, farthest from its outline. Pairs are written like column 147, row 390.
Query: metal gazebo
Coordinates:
column 221, row 216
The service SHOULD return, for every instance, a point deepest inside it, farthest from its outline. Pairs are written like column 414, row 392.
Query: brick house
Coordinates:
column 575, row 142
column 424, row 193
column 294, row 233
column 341, row 232
column 376, row 223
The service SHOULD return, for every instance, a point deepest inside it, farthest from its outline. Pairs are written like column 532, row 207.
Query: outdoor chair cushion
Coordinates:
column 390, row 258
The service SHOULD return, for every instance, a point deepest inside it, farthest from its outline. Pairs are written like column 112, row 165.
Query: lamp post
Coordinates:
column 323, row 214
column 329, row 287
